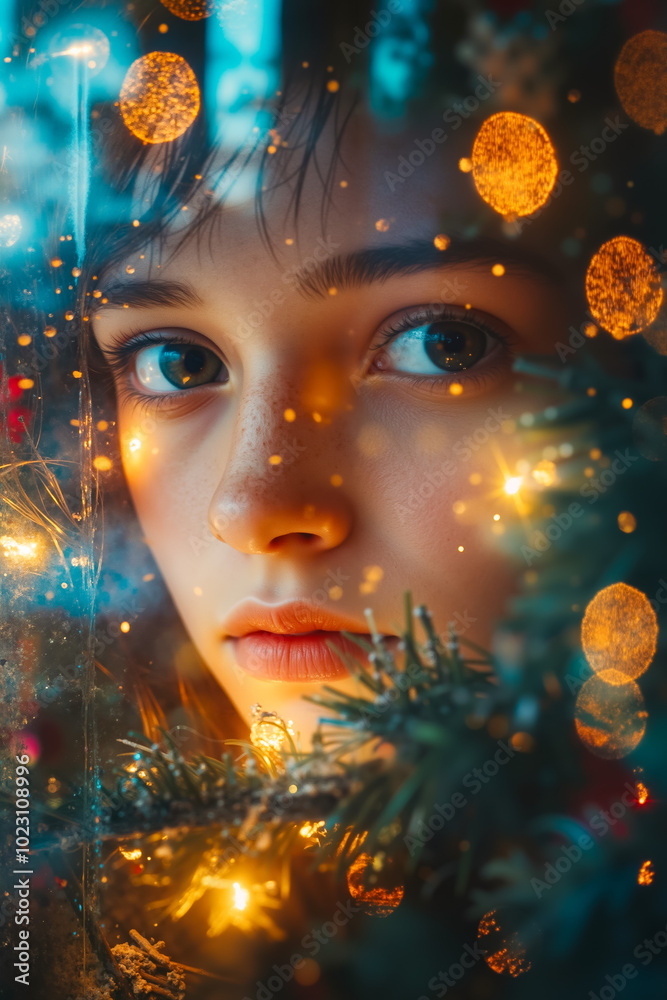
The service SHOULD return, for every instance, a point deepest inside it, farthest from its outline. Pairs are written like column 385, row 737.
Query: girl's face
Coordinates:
column 309, row 436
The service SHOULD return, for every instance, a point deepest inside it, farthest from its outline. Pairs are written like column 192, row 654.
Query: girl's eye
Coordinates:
column 165, row 367
column 446, row 345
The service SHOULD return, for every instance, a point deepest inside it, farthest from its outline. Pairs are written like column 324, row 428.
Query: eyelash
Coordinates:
column 120, row 356
column 424, row 315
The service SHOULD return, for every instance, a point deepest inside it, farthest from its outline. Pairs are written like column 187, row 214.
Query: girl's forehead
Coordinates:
column 365, row 188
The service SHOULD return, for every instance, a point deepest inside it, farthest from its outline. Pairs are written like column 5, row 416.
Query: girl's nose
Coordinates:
column 276, row 493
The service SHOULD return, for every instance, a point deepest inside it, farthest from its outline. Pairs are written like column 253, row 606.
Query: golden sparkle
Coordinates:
column 619, row 631
column 159, row 99
column 514, row 164
column 623, row 287
column 441, row 242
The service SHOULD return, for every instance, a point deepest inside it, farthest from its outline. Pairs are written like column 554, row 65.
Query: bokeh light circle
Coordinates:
column 374, row 886
column 619, row 631
column 650, row 429
column 514, row 164
column 610, row 715
column 160, row 98
column 640, row 78
column 505, row 953
column 190, row 10
column 11, row 228
column 81, row 43
column 623, row 287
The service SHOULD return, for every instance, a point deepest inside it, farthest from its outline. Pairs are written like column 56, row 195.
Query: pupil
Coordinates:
column 454, row 346
column 193, row 361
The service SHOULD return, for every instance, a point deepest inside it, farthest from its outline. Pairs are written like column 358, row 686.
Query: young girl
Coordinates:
column 313, row 246
column 313, row 366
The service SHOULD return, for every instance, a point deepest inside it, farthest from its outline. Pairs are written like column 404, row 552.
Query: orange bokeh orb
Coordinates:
column 504, row 952
column 640, row 78
column 514, row 165
column 373, row 887
column 159, row 99
column 610, row 715
column 190, row 10
column 623, row 287
column 619, row 631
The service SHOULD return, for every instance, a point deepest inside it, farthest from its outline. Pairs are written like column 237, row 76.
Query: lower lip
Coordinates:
column 271, row 657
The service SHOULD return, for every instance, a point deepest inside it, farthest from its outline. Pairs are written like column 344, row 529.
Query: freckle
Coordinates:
column 275, row 460
column 336, row 480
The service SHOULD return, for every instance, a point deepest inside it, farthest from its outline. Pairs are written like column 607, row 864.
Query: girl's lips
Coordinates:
column 288, row 657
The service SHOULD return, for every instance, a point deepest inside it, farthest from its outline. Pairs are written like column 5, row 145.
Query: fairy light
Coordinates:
column 646, row 874
column 642, row 793
column 241, row 896
column 134, row 444
column 131, row 854
column 19, row 550
column 512, row 485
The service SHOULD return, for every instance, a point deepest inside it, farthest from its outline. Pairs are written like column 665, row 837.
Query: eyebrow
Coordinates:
column 373, row 265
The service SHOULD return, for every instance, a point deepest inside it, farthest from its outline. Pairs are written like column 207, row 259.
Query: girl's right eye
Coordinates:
column 168, row 366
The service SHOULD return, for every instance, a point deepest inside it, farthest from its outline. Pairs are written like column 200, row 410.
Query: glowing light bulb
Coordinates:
column 241, row 897
column 512, row 485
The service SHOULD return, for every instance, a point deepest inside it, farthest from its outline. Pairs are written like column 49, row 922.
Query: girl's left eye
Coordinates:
column 438, row 347
column 168, row 366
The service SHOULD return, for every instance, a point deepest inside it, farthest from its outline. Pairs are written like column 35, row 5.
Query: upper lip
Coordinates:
column 286, row 619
